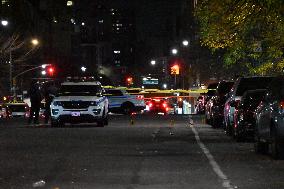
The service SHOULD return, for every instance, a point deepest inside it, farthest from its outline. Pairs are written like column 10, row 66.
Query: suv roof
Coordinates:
column 251, row 83
column 82, row 83
column 224, row 87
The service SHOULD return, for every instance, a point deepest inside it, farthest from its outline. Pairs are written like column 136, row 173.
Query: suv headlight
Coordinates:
column 93, row 103
column 57, row 103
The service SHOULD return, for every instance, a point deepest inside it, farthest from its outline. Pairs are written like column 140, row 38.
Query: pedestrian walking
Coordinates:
column 35, row 98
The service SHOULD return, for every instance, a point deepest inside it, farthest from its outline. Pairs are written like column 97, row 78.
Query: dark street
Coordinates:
column 153, row 152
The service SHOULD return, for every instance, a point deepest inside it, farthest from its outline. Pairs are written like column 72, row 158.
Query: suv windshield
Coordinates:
column 224, row 87
column 252, row 83
column 78, row 90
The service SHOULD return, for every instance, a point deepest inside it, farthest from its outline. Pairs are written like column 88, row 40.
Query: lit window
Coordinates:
column 101, row 21
column 118, row 25
column 69, row 3
column 116, row 52
column 117, row 28
column 4, row 2
column 72, row 20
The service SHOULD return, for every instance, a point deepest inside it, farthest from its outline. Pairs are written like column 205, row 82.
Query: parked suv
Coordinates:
column 270, row 120
column 241, row 85
column 244, row 119
column 79, row 102
column 216, row 103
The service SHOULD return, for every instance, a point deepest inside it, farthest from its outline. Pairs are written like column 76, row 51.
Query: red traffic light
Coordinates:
column 175, row 69
column 50, row 71
column 129, row 80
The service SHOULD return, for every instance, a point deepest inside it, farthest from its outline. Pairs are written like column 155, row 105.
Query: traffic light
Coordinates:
column 50, row 70
column 175, row 70
column 129, row 80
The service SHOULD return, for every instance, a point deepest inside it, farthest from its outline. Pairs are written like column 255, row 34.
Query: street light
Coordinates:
column 185, row 43
column 35, row 42
column 83, row 68
column 4, row 22
column 13, row 79
column 153, row 62
column 174, row 51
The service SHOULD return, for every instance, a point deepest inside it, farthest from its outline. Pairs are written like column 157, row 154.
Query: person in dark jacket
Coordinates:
column 49, row 93
column 35, row 97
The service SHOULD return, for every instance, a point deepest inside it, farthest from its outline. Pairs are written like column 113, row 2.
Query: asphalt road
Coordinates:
column 150, row 152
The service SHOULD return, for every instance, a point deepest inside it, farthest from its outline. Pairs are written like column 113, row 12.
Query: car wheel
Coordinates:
column 276, row 146
column 100, row 123
column 215, row 122
column 238, row 137
column 54, row 124
column 260, row 147
column 128, row 108
column 106, row 120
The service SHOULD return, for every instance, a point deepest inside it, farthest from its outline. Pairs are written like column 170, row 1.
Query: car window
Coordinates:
column 74, row 90
column 114, row 92
column 224, row 87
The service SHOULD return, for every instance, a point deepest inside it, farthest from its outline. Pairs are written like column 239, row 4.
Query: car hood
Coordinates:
column 77, row 98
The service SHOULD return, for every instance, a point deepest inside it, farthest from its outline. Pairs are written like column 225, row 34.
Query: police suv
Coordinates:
column 79, row 102
column 120, row 101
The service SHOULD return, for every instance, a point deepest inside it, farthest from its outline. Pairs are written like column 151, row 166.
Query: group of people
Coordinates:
column 37, row 94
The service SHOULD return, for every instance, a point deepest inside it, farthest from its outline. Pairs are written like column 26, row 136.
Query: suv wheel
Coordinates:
column 127, row 108
column 260, row 147
column 276, row 146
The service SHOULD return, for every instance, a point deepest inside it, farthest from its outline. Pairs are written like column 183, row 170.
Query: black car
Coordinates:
column 218, row 102
column 244, row 118
column 241, row 85
column 269, row 129
column 210, row 93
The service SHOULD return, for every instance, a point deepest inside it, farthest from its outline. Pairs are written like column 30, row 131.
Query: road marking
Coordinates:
column 216, row 168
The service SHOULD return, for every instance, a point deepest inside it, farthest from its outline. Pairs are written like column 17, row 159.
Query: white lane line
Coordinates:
column 216, row 168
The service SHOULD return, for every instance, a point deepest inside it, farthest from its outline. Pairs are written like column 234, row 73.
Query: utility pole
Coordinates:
column 11, row 71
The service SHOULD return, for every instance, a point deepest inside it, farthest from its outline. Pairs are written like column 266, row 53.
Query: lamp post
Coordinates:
column 34, row 43
column 23, row 72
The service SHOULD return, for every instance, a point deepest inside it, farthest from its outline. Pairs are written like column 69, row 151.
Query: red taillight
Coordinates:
column 281, row 105
column 140, row 97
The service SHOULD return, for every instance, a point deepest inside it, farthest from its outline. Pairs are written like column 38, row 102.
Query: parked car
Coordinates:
column 200, row 107
column 270, row 120
column 3, row 111
column 210, row 93
column 17, row 109
column 241, row 85
column 244, row 119
column 216, row 103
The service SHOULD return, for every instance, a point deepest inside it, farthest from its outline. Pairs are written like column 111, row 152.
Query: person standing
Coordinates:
column 35, row 97
column 49, row 93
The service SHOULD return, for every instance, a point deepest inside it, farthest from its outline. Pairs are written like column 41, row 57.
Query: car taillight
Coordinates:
column 140, row 97
column 281, row 105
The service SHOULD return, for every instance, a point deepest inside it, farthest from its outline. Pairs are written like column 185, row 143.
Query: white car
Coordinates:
column 120, row 101
column 79, row 102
